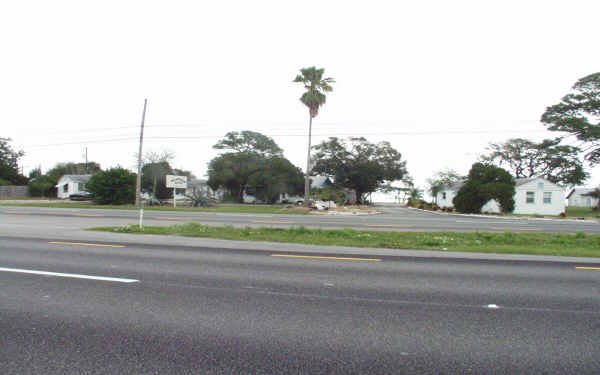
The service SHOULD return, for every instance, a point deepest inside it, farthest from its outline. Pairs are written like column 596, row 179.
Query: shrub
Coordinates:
column 562, row 214
column 486, row 182
column 113, row 186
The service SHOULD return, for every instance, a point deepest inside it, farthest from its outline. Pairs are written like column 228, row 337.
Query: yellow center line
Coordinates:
column 16, row 213
column 273, row 222
column 83, row 244
column 91, row 215
column 588, row 268
column 328, row 258
column 388, row 225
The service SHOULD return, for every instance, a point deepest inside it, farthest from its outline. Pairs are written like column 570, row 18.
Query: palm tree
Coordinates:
column 313, row 98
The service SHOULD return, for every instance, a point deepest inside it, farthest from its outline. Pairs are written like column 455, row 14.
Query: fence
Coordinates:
column 11, row 191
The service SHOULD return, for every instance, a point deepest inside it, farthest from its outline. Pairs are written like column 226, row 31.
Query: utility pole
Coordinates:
column 138, row 187
column 86, row 162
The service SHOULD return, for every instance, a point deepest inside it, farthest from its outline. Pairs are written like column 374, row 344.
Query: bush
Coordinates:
column 113, row 186
column 486, row 182
column 562, row 214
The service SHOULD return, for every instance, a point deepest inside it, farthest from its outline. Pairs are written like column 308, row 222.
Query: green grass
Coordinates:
column 223, row 208
column 579, row 244
column 574, row 212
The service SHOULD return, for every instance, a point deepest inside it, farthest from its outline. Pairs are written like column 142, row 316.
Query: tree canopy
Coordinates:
column 484, row 183
column 257, row 161
column 62, row 169
column 442, row 178
column 316, row 86
column 249, row 141
column 358, row 164
column 578, row 113
column 113, row 186
column 548, row 159
column 9, row 164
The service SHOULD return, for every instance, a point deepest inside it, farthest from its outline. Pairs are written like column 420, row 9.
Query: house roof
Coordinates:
column 580, row 191
column 82, row 178
column 518, row 182
column 317, row 182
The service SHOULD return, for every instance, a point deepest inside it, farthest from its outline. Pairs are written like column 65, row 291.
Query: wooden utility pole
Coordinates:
column 138, row 185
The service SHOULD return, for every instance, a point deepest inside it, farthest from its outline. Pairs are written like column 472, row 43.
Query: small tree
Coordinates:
column 113, row 186
column 9, row 164
column 440, row 179
column 486, row 182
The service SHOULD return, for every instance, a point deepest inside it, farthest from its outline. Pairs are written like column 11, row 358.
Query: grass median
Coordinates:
column 579, row 244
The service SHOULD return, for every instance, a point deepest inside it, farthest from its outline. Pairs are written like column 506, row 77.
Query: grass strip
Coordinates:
column 579, row 244
column 249, row 209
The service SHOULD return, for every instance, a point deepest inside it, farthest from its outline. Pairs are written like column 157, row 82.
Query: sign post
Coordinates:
column 176, row 182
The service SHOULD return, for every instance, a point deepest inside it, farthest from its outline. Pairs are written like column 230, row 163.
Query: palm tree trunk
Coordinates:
column 307, row 178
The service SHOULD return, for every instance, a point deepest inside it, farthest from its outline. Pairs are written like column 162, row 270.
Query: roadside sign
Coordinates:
column 177, row 182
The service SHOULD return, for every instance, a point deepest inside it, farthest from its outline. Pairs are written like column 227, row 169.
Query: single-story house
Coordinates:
column 577, row 198
column 71, row 184
column 533, row 196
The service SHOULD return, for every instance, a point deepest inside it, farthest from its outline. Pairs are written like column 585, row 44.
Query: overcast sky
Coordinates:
column 438, row 79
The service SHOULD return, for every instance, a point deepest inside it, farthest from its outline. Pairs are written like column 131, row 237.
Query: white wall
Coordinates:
column 441, row 202
column 72, row 188
column 555, row 207
column 577, row 200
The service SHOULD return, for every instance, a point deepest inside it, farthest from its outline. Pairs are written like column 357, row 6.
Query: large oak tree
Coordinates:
column 359, row 164
column 560, row 164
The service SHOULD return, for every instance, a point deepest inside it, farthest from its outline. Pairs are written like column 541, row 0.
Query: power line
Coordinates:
column 214, row 136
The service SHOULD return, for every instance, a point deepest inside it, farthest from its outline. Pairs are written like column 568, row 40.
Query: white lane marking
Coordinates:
column 72, row 275
column 492, row 306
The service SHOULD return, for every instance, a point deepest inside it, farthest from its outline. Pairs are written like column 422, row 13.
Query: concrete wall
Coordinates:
column 12, row 191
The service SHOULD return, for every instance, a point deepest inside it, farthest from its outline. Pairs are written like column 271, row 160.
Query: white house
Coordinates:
column 71, row 184
column 577, row 198
column 532, row 196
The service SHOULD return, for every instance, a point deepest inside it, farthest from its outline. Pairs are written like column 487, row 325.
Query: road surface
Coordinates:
column 123, row 306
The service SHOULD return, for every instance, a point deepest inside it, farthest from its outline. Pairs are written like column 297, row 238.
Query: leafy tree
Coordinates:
column 486, row 182
column 578, row 113
column 440, row 179
column 524, row 158
column 277, row 176
column 62, row 169
column 43, row 186
column 249, row 141
column 314, row 97
column 113, row 186
column 255, row 160
column 9, row 164
column 359, row 164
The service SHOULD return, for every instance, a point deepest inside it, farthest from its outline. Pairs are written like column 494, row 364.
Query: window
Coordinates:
column 530, row 197
column 547, row 197
column 65, row 188
column 540, row 185
column 81, row 186
column 444, row 195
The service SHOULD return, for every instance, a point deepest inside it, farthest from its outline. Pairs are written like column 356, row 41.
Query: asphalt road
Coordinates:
column 217, row 310
column 391, row 219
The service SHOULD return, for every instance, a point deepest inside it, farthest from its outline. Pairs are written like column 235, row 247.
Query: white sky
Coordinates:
column 438, row 79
